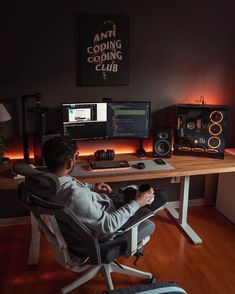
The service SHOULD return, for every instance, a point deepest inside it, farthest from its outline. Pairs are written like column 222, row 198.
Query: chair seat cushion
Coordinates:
column 111, row 249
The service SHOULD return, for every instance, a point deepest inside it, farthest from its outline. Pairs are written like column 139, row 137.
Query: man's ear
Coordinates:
column 69, row 164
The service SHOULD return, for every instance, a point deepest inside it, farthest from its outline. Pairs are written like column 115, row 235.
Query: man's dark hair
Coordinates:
column 57, row 151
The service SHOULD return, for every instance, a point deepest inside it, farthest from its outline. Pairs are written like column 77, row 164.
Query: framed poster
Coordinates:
column 103, row 50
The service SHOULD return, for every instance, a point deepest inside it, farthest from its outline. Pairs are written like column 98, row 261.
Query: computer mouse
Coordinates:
column 140, row 165
column 160, row 161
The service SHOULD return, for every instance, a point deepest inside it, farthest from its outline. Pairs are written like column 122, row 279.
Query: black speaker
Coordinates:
column 38, row 142
column 201, row 130
column 162, row 142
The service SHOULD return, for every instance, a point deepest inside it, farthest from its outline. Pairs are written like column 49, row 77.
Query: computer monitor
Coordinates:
column 85, row 121
column 128, row 119
column 107, row 120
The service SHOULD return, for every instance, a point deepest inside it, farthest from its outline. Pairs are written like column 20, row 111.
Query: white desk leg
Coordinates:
column 35, row 242
column 181, row 217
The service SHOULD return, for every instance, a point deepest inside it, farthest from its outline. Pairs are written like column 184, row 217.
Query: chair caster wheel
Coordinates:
column 152, row 280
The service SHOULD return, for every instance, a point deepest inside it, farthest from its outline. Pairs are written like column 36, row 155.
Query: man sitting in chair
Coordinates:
column 103, row 214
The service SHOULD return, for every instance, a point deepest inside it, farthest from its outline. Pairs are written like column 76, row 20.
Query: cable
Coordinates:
column 201, row 101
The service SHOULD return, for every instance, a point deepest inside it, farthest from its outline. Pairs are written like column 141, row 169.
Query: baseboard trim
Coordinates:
column 4, row 222
column 191, row 203
column 14, row 221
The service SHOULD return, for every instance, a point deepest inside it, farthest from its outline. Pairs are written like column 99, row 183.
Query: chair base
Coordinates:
column 106, row 270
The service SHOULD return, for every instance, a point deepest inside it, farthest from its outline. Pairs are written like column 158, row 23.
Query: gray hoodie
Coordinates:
column 95, row 210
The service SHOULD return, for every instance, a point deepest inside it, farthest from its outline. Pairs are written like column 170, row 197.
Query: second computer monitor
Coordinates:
column 128, row 119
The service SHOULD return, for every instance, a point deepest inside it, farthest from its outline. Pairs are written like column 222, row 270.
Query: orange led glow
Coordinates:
column 119, row 150
column 89, row 147
column 211, row 97
column 119, row 146
column 14, row 154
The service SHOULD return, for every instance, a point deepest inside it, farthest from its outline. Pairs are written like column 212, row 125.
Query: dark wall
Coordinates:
column 179, row 51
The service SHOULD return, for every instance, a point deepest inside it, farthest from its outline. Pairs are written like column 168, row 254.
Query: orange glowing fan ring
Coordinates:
column 211, row 150
column 216, row 116
column 214, row 142
column 215, row 129
column 197, row 149
column 184, row 148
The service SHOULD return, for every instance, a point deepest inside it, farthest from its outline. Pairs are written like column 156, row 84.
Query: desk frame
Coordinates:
column 181, row 217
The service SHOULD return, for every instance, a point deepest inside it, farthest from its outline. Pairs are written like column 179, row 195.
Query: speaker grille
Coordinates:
column 162, row 147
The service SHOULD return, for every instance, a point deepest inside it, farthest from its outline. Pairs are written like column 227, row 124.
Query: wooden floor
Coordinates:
column 208, row 268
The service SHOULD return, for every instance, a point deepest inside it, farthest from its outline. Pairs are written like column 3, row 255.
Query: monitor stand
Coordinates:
column 141, row 153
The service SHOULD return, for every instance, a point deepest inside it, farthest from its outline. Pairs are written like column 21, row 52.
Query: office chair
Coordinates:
column 159, row 288
column 73, row 243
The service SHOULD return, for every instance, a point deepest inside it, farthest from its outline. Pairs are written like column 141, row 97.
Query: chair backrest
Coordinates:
column 67, row 231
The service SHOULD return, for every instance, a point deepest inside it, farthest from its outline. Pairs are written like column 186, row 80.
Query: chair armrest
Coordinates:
column 24, row 169
column 141, row 215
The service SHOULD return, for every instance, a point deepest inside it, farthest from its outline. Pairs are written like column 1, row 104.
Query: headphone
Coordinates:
column 109, row 154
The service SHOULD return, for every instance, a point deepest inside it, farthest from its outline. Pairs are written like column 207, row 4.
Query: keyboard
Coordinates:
column 109, row 164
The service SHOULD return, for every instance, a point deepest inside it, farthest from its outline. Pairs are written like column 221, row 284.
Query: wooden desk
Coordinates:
column 185, row 166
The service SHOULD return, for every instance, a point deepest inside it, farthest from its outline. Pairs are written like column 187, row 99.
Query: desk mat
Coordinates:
column 150, row 165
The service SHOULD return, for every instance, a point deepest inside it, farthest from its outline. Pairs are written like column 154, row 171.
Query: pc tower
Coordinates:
column 201, row 130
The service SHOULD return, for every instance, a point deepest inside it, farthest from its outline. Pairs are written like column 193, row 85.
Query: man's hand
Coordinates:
column 144, row 198
column 103, row 187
